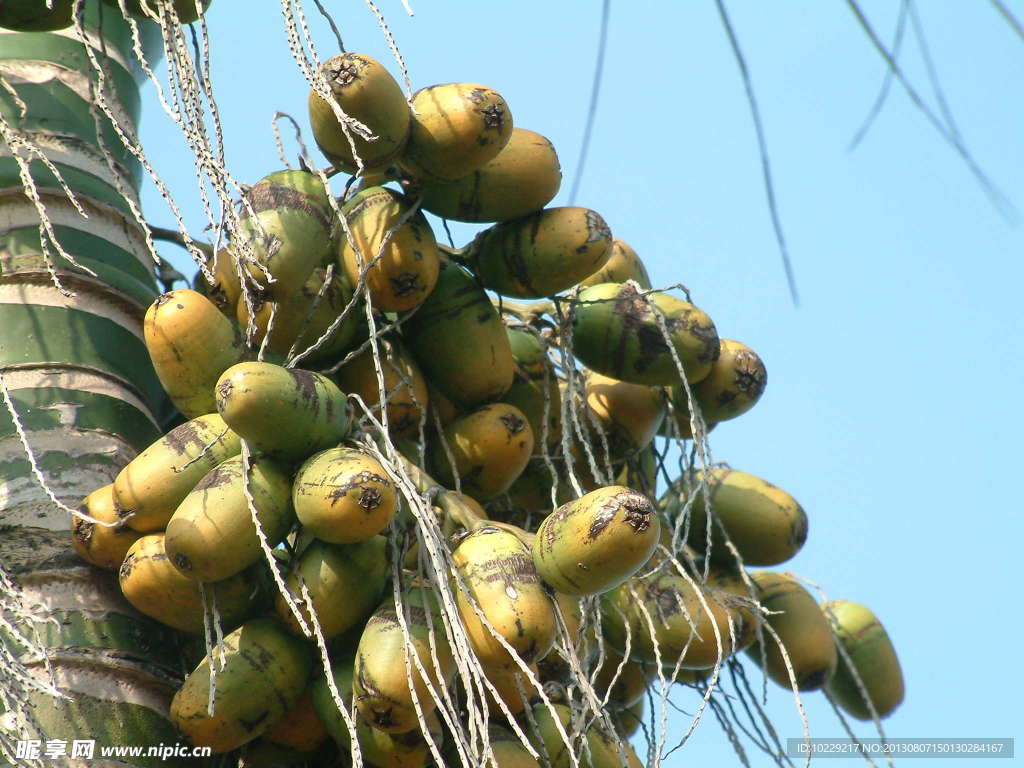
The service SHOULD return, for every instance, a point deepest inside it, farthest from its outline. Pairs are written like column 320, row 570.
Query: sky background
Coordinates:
column 892, row 409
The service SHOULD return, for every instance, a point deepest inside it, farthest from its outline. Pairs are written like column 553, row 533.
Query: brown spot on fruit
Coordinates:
column 370, row 499
column 387, row 618
column 341, row 74
column 268, row 196
column 750, row 378
column 494, row 116
column 517, row 568
column 554, row 523
column 637, row 510
column 81, row 529
column 601, row 521
column 666, row 599
column 636, row 320
column 222, row 475
column 630, row 305
column 597, row 227
column 181, row 562
column 406, row 283
column 179, row 438
column 125, row 571
column 652, row 345
column 512, row 423
column 690, row 322
column 305, row 382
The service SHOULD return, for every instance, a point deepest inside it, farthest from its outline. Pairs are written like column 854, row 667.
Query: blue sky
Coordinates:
column 891, row 409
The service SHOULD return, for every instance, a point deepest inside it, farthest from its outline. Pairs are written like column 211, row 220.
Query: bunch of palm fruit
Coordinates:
column 408, row 524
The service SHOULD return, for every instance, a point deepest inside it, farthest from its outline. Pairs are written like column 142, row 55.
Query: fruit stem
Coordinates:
column 525, row 312
column 454, row 508
column 459, row 511
column 173, row 236
column 452, row 254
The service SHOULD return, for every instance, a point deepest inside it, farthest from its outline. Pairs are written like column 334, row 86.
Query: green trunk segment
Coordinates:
column 116, row 34
column 63, row 112
column 129, row 634
column 70, row 54
column 33, row 266
column 55, row 107
column 89, row 461
column 41, row 334
column 102, row 653
column 110, row 724
column 80, row 181
column 42, row 408
column 103, row 222
column 52, row 463
column 117, row 628
column 22, row 247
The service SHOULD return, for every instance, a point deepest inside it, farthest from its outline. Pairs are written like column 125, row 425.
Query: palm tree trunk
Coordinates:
column 80, row 381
